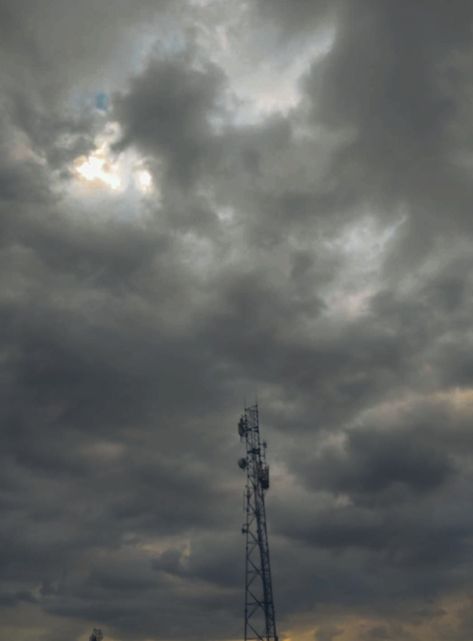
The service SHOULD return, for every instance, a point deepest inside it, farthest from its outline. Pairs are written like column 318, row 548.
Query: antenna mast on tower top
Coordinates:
column 260, row 621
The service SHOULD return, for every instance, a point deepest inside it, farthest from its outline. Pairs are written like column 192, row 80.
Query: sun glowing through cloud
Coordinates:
column 98, row 171
column 103, row 170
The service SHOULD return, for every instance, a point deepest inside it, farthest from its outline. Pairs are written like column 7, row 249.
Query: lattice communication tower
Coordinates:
column 260, row 621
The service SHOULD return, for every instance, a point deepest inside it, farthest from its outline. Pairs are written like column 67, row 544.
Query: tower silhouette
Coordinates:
column 260, row 621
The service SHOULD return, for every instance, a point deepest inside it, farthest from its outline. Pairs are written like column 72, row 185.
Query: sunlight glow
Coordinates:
column 104, row 170
column 144, row 180
column 96, row 169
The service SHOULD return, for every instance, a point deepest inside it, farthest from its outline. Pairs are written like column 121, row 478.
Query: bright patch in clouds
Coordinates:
column 96, row 169
column 103, row 170
column 265, row 80
column 144, row 180
column 362, row 248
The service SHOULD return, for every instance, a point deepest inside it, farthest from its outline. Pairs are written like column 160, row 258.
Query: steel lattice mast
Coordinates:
column 260, row 621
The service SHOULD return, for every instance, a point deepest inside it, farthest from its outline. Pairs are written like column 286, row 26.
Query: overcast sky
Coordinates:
column 204, row 202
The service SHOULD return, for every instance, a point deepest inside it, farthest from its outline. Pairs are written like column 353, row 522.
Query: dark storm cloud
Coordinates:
column 375, row 461
column 319, row 256
column 390, row 79
column 167, row 111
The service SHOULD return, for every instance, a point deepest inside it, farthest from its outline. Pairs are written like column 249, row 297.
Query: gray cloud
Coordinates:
column 313, row 250
column 167, row 111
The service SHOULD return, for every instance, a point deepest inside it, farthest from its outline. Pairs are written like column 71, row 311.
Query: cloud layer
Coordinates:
column 305, row 239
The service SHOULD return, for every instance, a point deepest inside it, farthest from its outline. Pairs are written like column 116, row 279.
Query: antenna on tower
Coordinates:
column 260, row 621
